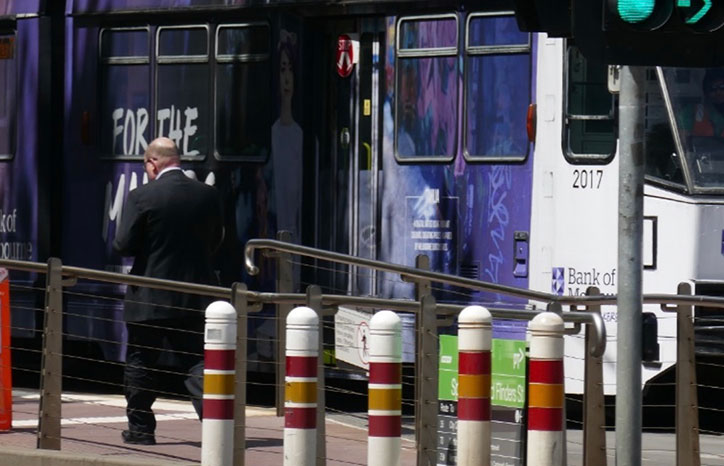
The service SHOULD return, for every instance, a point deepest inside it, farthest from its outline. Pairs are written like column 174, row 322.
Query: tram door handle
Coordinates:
column 520, row 254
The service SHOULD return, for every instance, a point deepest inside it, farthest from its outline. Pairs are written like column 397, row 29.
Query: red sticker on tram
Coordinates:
column 345, row 55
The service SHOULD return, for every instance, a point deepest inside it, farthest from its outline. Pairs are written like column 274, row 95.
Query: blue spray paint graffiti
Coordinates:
column 500, row 181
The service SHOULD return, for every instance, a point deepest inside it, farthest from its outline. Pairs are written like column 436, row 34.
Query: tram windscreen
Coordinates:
column 697, row 99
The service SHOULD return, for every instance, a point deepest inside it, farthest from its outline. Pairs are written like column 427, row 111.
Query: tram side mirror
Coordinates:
column 649, row 340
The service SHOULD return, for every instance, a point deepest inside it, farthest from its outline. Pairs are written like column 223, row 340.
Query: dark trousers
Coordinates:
column 147, row 343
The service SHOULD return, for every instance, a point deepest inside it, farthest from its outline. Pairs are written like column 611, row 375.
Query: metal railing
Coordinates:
column 422, row 276
column 247, row 302
column 593, row 403
column 412, row 273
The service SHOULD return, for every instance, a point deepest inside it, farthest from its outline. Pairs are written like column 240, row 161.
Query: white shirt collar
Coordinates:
column 166, row 170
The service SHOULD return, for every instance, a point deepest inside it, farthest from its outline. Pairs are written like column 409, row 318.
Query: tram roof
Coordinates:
column 303, row 7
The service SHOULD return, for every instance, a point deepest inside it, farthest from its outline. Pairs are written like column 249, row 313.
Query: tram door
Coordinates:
column 360, row 141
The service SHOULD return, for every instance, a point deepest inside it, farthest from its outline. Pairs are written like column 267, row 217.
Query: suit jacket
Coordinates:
column 172, row 225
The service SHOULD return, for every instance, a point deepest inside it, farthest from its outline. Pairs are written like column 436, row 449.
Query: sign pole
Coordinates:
column 6, row 386
column 630, row 266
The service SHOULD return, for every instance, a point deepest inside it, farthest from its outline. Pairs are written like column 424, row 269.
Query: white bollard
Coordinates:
column 300, row 395
column 385, row 390
column 474, row 343
column 217, row 427
column 546, row 391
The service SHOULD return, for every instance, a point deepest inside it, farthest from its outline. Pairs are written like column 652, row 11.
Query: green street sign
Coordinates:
column 448, row 379
column 507, row 386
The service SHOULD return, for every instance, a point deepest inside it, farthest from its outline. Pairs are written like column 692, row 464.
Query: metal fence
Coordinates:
column 422, row 382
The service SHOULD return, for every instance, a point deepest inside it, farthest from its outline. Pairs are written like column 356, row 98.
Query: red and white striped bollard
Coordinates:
column 474, row 342
column 217, row 427
column 385, row 390
column 546, row 392
column 300, row 395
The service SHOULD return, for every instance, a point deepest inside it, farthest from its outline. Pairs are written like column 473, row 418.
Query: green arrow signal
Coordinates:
column 699, row 14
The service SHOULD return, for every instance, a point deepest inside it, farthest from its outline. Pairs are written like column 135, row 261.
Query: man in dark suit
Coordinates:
column 171, row 226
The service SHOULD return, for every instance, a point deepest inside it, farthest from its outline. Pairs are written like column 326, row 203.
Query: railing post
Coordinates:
column 474, row 343
column 314, row 301
column 428, row 375
column 687, row 412
column 51, row 373
column 300, row 406
column 594, row 414
column 217, row 427
column 385, row 390
column 285, row 278
column 238, row 299
column 422, row 288
column 546, row 391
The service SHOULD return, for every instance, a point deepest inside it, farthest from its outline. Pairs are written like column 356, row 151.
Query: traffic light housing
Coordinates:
column 653, row 32
column 551, row 16
column 686, row 15
column 633, row 32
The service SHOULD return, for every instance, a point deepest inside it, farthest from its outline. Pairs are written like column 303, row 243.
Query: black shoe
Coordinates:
column 138, row 438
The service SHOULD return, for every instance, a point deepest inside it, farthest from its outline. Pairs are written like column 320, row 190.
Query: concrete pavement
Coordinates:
column 92, row 424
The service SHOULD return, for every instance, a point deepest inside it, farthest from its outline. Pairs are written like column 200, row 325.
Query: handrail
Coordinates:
column 24, row 266
column 576, row 317
column 139, row 280
column 255, row 297
column 411, row 272
column 411, row 306
column 403, row 305
column 120, row 278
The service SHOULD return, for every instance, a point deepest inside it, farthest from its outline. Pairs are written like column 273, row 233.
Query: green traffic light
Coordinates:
column 651, row 14
column 635, row 11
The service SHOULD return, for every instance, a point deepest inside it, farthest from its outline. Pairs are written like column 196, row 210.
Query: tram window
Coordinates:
column 183, row 42
column 7, row 98
column 662, row 161
column 125, row 92
column 124, row 43
column 182, row 88
column 497, row 88
column 423, row 33
column 243, row 92
column 426, row 103
column 589, row 131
